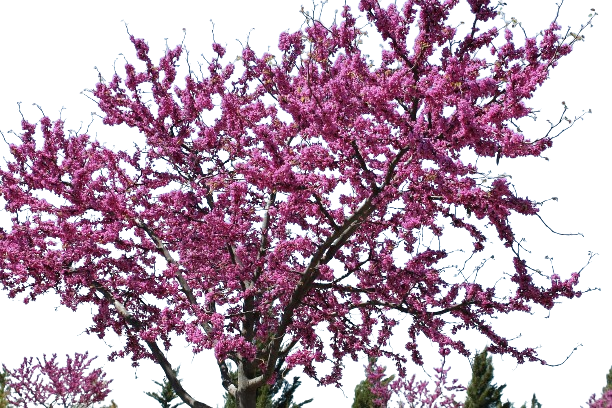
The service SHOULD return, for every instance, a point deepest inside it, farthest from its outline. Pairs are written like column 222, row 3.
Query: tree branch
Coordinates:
column 225, row 377
column 161, row 247
column 264, row 230
column 363, row 165
column 411, row 311
column 341, row 289
column 323, row 255
column 325, row 212
column 155, row 350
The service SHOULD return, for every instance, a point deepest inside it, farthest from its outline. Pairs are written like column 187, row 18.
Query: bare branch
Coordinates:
column 325, row 212
column 226, row 381
column 410, row 311
column 345, row 289
column 363, row 165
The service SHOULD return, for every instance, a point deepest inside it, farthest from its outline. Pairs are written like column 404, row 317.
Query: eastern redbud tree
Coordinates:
column 280, row 197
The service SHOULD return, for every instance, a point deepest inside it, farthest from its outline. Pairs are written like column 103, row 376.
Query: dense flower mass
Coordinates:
column 289, row 195
column 68, row 385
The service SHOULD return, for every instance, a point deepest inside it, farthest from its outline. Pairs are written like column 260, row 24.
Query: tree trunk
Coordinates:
column 246, row 397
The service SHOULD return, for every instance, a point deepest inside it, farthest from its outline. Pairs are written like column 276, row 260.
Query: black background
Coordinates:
column 48, row 59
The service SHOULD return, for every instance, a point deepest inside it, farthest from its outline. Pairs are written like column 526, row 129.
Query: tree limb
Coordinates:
column 155, row 350
column 323, row 255
column 363, row 165
column 325, row 212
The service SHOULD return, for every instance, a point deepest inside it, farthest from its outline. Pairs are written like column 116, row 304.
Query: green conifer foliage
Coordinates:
column 534, row 403
column 166, row 394
column 608, row 386
column 3, row 389
column 481, row 392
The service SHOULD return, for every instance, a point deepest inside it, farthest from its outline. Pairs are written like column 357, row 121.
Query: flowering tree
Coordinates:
column 67, row 385
column 290, row 195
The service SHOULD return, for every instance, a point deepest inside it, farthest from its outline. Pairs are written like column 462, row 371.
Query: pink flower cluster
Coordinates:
column 605, row 401
column 413, row 393
column 417, row 395
column 48, row 383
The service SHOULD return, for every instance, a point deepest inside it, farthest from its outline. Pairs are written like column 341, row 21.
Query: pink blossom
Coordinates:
column 439, row 393
column 605, row 401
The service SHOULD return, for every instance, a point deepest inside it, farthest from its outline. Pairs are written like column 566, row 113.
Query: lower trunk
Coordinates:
column 246, row 398
column 266, row 396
